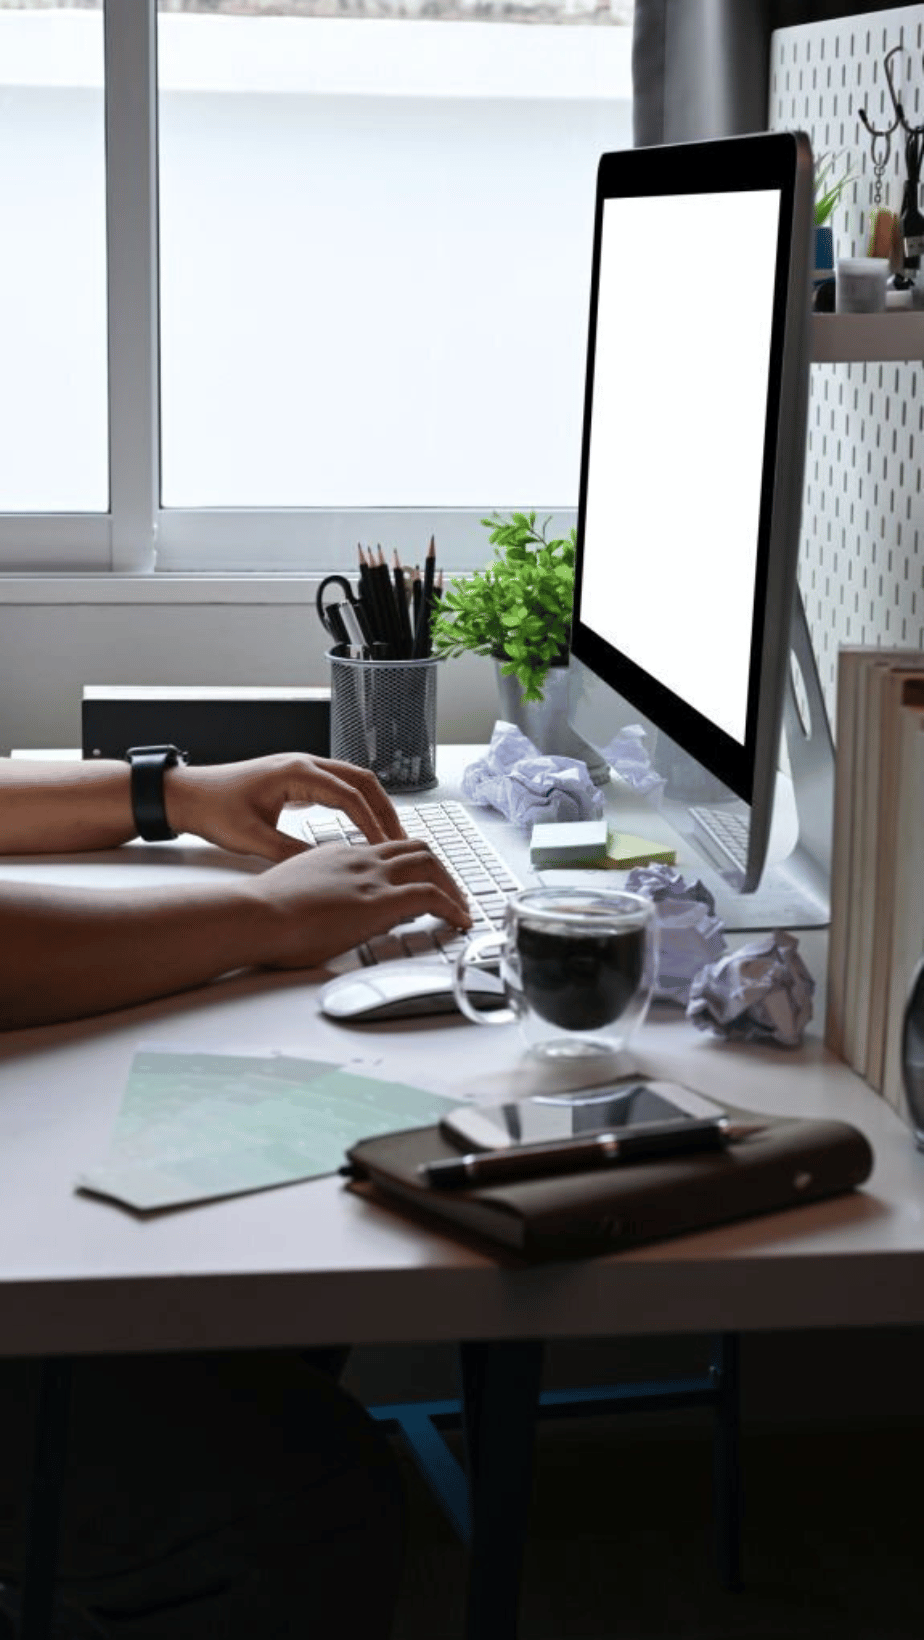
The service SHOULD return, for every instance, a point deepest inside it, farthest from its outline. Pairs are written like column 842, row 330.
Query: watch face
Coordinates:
column 913, row 1053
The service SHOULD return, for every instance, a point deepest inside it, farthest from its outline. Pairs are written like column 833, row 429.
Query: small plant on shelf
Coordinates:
column 517, row 609
column 827, row 193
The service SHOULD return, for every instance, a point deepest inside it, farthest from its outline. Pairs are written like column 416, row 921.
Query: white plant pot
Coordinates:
column 545, row 721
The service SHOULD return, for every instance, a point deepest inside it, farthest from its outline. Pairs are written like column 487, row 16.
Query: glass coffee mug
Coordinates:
column 578, row 967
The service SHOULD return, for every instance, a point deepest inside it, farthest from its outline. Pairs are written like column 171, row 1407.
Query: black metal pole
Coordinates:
column 500, row 1393
column 44, row 1505
column 727, row 1492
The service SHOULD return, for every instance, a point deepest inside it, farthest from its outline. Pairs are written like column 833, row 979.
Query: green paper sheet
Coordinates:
column 194, row 1126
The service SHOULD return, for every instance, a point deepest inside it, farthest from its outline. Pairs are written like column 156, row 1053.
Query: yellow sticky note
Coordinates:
column 624, row 850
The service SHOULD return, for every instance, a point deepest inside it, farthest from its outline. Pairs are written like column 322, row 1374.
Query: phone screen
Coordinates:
column 534, row 1121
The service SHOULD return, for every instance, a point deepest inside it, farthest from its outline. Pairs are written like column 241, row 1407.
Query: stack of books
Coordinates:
column 877, row 873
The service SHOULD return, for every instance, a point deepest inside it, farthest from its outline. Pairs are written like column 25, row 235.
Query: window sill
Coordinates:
column 162, row 588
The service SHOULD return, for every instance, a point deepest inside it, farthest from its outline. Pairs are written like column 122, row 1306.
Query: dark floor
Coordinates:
column 620, row 1537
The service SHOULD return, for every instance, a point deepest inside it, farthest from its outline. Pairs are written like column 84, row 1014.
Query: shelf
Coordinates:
column 859, row 337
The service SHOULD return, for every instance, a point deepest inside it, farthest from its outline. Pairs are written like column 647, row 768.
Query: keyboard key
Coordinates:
column 450, row 941
column 385, row 948
column 418, row 943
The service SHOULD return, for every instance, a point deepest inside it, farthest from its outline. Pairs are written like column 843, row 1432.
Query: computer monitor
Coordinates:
column 690, row 503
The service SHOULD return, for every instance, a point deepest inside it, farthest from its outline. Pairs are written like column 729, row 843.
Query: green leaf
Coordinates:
column 826, row 199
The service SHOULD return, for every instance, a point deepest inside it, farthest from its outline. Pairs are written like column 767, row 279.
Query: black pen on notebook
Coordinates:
column 605, row 1149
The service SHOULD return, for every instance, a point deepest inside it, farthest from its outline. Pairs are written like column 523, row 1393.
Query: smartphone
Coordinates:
column 634, row 1103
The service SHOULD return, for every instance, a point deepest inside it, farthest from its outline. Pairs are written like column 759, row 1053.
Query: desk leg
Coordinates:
column 44, row 1513
column 727, row 1458
column 500, row 1395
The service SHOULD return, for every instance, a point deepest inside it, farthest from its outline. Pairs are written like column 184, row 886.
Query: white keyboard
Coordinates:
column 727, row 830
column 468, row 856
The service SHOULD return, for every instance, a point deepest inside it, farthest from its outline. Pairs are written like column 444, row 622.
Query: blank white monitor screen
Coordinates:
column 677, row 444
column 691, row 475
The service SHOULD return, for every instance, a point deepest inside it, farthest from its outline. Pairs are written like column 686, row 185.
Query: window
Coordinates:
column 351, row 287
column 53, row 403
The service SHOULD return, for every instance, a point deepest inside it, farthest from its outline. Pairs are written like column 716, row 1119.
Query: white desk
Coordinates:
column 313, row 1263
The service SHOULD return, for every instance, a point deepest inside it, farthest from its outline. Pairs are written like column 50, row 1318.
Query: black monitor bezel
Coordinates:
column 726, row 166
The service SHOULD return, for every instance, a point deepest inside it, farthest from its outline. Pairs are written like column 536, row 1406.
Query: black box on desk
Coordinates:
column 213, row 724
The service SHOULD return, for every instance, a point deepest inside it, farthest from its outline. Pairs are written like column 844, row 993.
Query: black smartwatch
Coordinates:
column 148, row 764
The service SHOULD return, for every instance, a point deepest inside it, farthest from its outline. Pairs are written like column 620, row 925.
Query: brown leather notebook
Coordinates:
column 581, row 1214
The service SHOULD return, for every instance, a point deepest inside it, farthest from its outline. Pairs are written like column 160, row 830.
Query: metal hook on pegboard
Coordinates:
column 912, row 130
column 881, row 145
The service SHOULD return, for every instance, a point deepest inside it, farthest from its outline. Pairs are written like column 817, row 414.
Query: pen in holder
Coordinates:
column 383, row 718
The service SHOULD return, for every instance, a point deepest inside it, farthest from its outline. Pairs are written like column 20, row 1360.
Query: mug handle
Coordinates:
column 473, row 949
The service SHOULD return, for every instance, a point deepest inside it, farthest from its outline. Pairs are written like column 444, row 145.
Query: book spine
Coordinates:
column 908, row 920
column 841, row 847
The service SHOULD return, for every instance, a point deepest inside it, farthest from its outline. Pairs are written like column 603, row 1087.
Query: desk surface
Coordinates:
column 314, row 1263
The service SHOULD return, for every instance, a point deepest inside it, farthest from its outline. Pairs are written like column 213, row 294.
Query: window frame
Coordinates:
column 137, row 536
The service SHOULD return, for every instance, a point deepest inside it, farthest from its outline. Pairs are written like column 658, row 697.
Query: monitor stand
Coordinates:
column 794, row 891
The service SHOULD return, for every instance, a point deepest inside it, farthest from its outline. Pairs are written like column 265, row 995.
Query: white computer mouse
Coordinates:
column 404, row 990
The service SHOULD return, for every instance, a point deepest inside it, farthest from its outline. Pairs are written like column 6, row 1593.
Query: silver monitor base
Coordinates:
column 794, row 891
column 794, row 888
column 783, row 900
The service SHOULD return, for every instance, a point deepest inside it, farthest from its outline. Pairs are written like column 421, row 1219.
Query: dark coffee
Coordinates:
column 580, row 981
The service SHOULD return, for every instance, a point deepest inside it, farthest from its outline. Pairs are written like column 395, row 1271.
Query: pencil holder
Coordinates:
column 383, row 718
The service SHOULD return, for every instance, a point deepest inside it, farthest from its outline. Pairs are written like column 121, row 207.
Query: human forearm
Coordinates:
column 60, row 807
column 67, row 953
column 48, row 808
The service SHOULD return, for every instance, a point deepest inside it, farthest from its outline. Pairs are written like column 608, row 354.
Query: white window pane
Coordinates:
column 375, row 257
column 53, row 385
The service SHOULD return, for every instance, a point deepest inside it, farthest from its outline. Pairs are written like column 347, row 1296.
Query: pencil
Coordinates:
column 363, row 572
column 404, row 620
column 392, row 632
column 373, row 598
column 366, row 604
column 421, row 649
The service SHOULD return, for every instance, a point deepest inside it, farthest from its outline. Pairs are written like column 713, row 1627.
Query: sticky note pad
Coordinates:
column 626, row 850
column 572, row 843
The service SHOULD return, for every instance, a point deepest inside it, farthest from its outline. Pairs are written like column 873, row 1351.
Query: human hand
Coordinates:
column 237, row 805
column 333, row 897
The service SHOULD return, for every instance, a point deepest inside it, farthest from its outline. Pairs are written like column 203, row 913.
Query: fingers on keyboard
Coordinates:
column 472, row 863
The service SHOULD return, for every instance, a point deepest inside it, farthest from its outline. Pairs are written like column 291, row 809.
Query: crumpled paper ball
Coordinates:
column 690, row 935
column 760, row 993
column 526, row 785
column 660, row 882
column 628, row 757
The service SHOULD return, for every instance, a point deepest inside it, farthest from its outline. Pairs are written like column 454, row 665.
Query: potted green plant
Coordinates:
column 518, row 610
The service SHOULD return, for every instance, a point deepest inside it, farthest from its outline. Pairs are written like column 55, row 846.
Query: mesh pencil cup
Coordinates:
column 383, row 718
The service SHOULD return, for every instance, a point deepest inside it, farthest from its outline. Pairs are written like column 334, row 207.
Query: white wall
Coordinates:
column 52, row 642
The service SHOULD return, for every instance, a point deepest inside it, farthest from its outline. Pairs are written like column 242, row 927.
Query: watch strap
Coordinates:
column 148, row 765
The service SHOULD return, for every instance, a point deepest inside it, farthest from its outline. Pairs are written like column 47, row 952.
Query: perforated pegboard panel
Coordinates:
column 860, row 565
